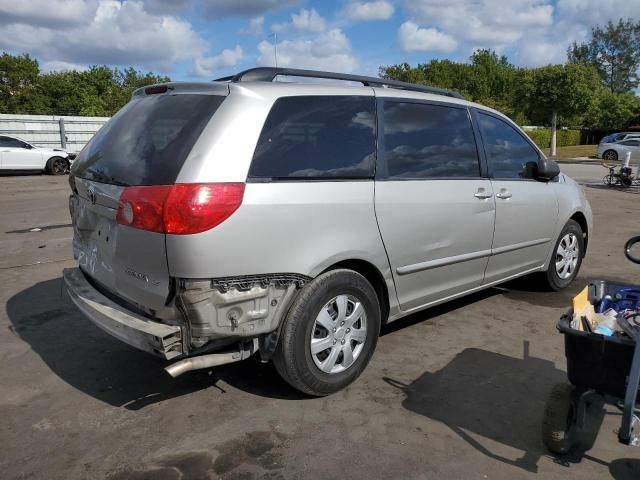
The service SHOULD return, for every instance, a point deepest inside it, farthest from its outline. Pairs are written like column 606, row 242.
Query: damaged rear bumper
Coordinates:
column 135, row 330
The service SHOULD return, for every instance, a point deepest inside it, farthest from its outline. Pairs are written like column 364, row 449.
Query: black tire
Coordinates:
column 610, row 155
column 626, row 181
column 559, row 422
column 57, row 166
column 607, row 180
column 293, row 358
column 551, row 276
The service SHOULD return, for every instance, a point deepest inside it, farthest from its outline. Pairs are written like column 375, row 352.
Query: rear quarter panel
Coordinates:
column 286, row 227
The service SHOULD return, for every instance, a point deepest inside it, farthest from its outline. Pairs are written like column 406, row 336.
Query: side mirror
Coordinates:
column 547, row 169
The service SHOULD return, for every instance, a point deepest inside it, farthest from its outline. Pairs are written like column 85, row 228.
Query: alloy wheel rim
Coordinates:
column 338, row 334
column 58, row 167
column 567, row 255
column 610, row 155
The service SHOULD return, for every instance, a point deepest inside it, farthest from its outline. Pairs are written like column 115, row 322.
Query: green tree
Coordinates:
column 615, row 52
column 487, row 78
column 554, row 90
column 612, row 111
column 19, row 88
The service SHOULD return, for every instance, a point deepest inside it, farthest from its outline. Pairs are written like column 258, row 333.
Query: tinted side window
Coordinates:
column 428, row 141
column 631, row 143
column 510, row 155
column 317, row 137
column 11, row 142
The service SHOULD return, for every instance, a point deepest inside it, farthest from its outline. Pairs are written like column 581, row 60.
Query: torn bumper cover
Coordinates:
column 135, row 330
column 247, row 306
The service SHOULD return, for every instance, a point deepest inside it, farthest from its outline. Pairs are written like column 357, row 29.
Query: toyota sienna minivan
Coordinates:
column 213, row 221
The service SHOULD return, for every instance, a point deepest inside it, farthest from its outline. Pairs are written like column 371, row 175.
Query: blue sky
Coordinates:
column 204, row 39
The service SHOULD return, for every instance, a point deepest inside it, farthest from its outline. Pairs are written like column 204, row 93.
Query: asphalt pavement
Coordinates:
column 454, row 392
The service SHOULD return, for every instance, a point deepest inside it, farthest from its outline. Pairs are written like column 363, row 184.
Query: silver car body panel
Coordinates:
column 136, row 330
column 437, row 235
column 430, row 240
column 128, row 262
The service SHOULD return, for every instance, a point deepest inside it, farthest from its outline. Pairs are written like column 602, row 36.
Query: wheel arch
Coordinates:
column 581, row 220
column 373, row 276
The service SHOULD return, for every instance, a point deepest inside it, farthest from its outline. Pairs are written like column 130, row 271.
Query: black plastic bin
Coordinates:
column 596, row 362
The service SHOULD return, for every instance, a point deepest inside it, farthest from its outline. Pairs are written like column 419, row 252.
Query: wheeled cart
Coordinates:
column 600, row 369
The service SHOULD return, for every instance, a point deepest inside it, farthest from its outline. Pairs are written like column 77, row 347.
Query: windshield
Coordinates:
column 147, row 141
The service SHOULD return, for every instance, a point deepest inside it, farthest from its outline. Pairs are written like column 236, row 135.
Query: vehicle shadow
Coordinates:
column 625, row 469
column 487, row 398
column 97, row 364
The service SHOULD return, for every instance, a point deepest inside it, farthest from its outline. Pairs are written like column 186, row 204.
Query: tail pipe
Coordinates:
column 243, row 351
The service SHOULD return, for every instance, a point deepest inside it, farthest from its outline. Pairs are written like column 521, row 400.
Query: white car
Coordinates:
column 618, row 150
column 16, row 154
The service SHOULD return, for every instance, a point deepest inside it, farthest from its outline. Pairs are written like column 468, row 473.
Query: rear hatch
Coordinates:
column 144, row 144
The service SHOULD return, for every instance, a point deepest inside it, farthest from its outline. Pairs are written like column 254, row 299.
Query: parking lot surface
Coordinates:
column 457, row 391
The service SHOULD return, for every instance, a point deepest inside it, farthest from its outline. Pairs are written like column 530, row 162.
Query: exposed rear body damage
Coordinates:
column 216, row 220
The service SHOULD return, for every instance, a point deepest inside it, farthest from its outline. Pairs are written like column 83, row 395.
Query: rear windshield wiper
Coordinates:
column 103, row 178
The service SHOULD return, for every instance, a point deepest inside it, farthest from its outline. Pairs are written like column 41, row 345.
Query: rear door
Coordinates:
column 434, row 207
column 631, row 145
column 144, row 144
column 526, row 209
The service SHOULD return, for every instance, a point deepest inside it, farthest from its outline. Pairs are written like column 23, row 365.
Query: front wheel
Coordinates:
column 57, row 166
column 567, row 257
column 329, row 334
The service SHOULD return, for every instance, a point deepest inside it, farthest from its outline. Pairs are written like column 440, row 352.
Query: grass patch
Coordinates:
column 568, row 153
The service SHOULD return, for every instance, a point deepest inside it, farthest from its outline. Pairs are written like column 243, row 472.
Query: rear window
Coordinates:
column 147, row 141
column 317, row 137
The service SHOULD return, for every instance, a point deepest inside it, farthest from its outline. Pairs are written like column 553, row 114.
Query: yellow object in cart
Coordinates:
column 581, row 301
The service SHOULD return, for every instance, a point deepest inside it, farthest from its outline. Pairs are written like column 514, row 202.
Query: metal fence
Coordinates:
column 56, row 131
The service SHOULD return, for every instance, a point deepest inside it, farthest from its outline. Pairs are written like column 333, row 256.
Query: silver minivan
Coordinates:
column 217, row 220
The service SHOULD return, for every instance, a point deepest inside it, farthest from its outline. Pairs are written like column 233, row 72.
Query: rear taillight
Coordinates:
column 179, row 209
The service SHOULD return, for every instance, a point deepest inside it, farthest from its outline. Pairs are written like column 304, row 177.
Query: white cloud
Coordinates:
column 205, row 67
column 533, row 32
column 47, row 12
column 254, row 27
column 56, row 66
column 244, row 8
column 304, row 21
column 488, row 22
column 596, row 12
column 166, row 7
column 415, row 39
column 329, row 51
column 366, row 11
column 116, row 34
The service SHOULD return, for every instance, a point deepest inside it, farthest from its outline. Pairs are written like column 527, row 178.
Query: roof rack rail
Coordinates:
column 267, row 74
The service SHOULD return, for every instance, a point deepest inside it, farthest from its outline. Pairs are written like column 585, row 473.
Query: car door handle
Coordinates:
column 504, row 194
column 482, row 194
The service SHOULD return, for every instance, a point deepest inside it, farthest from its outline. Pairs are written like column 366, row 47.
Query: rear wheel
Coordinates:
column 559, row 422
column 567, row 257
column 57, row 166
column 329, row 333
column 610, row 155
